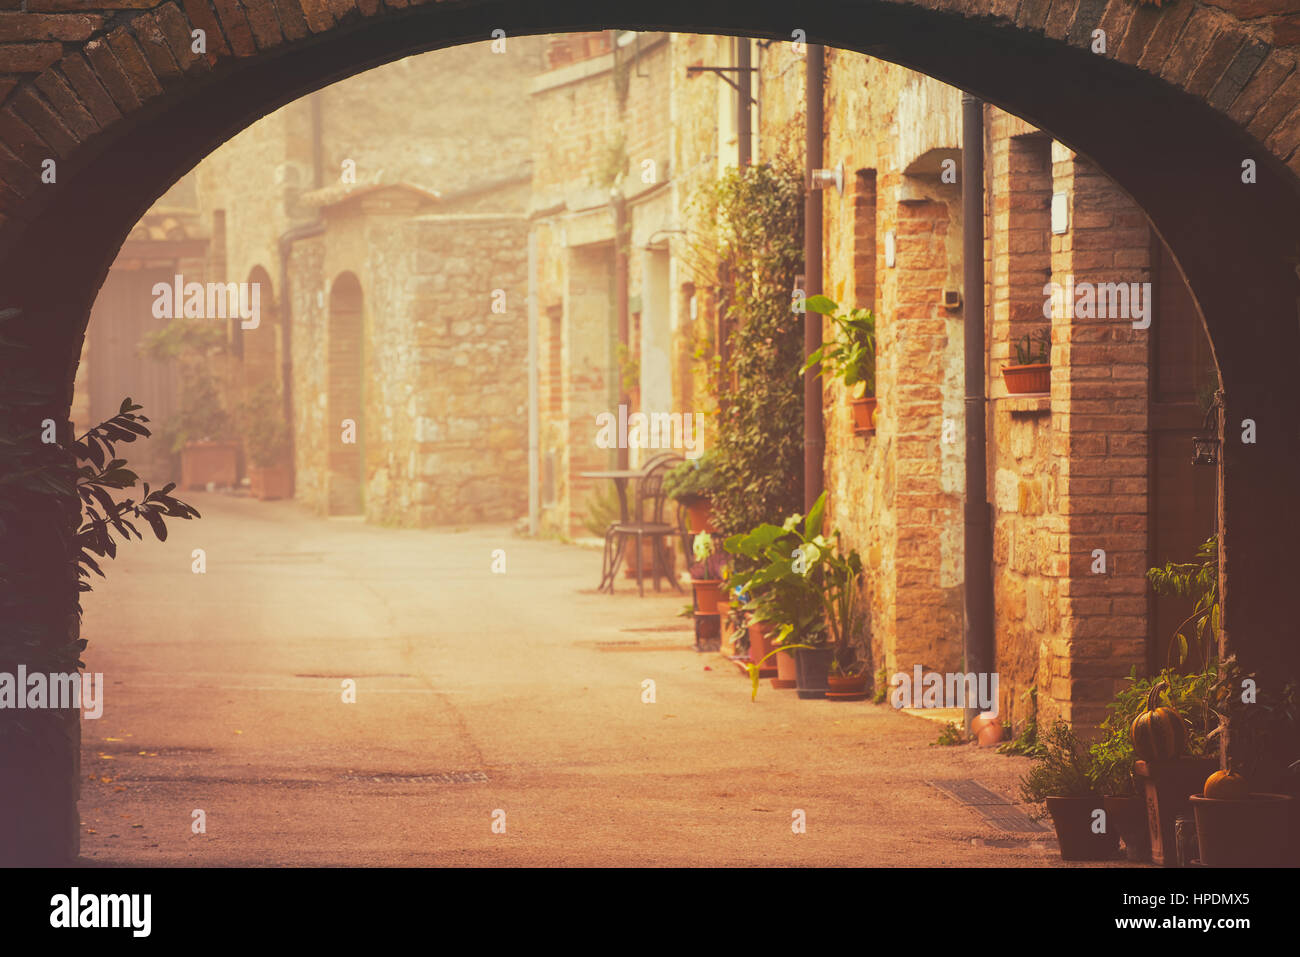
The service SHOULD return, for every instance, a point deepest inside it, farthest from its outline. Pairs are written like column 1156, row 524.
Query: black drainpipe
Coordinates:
column 814, row 437
column 287, row 239
column 977, row 637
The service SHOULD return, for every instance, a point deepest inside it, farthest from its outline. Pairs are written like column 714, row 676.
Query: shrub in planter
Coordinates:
column 1064, row 779
column 1115, row 778
column 692, row 484
column 266, row 439
column 850, row 357
column 1032, row 371
column 200, row 429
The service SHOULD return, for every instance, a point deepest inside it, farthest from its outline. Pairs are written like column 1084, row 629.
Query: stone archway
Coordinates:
column 1184, row 95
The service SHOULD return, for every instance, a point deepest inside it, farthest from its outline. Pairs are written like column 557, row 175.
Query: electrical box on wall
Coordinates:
column 952, row 299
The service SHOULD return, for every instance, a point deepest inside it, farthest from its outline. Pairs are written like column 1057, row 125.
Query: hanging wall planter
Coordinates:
column 1032, row 372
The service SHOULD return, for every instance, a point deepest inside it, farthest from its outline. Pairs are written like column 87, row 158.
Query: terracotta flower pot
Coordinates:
column 707, row 592
column 786, row 671
column 1028, row 380
column 699, row 515
column 847, row 687
column 1128, row 816
column 1165, row 786
column 1073, row 817
column 1248, row 833
column 268, row 484
column 209, row 463
column 760, row 643
column 864, row 415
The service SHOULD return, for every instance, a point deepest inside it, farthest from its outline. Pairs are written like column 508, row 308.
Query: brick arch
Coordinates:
column 1184, row 94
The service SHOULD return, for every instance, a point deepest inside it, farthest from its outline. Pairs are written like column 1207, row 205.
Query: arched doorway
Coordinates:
column 345, row 399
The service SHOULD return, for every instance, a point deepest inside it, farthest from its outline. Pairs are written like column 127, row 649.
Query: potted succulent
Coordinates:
column 851, row 356
column 200, row 428
column 691, row 485
column 1032, row 372
column 1065, row 779
column 794, row 571
column 266, row 440
column 1238, row 825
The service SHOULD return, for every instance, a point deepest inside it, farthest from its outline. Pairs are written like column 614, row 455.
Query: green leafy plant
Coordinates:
column 1260, row 720
column 1034, row 349
column 1194, row 643
column 851, row 355
column 796, row 576
column 693, row 480
column 1189, row 695
column 759, row 214
column 949, row 735
column 881, row 690
column 81, row 482
column 1065, row 769
column 1026, row 743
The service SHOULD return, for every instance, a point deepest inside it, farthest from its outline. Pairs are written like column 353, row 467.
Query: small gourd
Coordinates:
column 1158, row 732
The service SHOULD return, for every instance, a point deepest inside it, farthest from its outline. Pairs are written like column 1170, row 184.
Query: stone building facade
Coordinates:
column 552, row 198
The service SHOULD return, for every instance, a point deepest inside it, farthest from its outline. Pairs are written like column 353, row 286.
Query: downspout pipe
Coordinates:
column 814, row 438
column 977, row 636
column 285, row 248
column 744, row 131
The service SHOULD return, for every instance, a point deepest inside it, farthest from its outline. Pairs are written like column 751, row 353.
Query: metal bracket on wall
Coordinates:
column 722, row 72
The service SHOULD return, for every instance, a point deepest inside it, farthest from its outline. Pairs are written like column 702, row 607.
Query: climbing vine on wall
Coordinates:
column 760, row 425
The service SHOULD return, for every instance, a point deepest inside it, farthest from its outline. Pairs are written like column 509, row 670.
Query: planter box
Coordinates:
column 209, row 463
column 1028, row 380
column 269, row 484
column 1166, row 786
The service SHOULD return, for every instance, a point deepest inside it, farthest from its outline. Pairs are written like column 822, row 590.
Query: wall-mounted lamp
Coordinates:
column 1205, row 446
column 821, row 178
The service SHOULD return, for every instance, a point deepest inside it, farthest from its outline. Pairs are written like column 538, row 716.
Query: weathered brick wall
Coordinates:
column 1099, row 404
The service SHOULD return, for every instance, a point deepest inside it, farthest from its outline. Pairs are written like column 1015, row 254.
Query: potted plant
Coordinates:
column 1032, row 373
column 850, row 669
column 691, row 485
column 851, row 356
column 1064, row 778
column 200, row 428
column 707, row 574
column 1238, row 825
column 266, row 440
column 1114, row 775
column 793, row 572
column 1172, row 752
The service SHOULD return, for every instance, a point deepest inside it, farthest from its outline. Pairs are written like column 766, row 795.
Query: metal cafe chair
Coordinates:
column 648, row 521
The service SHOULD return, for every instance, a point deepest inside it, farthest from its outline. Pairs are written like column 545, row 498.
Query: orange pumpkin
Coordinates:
column 1158, row 732
column 1226, row 786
